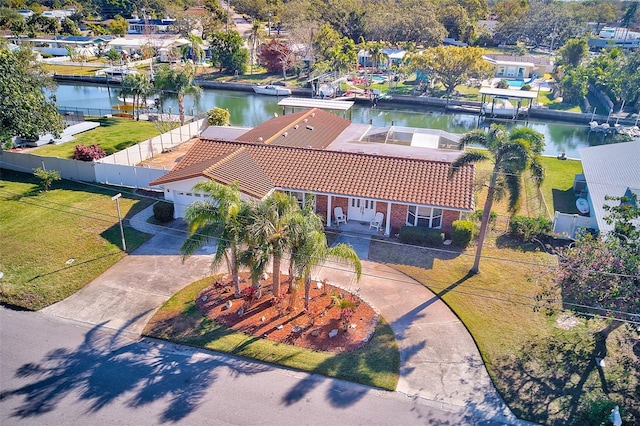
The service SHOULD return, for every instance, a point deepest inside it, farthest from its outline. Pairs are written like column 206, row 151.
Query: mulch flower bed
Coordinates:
column 336, row 321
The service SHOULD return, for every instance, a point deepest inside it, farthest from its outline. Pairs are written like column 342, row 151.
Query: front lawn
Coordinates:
column 113, row 135
column 178, row 320
column 55, row 243
column 545, row 373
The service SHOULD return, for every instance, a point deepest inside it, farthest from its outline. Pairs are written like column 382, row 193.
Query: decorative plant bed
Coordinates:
column 336, row 320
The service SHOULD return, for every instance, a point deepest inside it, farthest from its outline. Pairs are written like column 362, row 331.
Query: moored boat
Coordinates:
column 272, row 90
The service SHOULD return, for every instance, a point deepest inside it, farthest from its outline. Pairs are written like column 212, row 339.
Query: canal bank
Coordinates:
column 453, row 105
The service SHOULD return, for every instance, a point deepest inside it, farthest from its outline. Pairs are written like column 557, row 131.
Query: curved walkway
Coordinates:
column 440, row 363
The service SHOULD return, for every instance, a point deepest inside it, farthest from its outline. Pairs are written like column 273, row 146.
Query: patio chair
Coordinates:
column 377, row 221
column 339, row 216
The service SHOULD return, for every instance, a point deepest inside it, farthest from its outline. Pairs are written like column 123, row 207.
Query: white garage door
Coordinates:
column 181, row 200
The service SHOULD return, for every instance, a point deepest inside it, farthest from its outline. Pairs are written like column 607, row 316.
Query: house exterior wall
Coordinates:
column 321, row 206
column 448, row 217
column 398, row 217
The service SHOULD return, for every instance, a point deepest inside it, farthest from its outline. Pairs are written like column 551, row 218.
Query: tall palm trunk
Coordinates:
column 484, row 224
column 181, row 107
column 234, row 269
column 277, row 260
column 307, row 290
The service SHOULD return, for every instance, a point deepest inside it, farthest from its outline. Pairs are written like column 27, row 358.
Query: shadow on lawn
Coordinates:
column 390, row 252
column 104, row 369
column 556, row 379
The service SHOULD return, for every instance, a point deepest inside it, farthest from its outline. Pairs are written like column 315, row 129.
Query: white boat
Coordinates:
column 503, row 108
column 128, row 100
column 602, row 128
column 272, row 90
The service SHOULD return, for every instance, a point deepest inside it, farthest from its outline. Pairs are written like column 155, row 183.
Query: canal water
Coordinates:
column 249, row 109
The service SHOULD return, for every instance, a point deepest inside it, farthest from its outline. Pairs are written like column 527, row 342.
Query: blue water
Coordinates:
column 249, row 110
column 516, row 84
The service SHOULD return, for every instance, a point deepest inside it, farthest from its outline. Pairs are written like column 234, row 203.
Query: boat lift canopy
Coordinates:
column 508, row 93
column 505, row 94
column 305, row 103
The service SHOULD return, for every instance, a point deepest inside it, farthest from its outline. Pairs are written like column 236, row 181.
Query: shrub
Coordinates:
column 461, row 233
column 420, row 236
column 163, row 211
column 529, row 228
column 218, row 116
column 476, row 216
column 502, row 84
column 526, row 87
column 47, row 177
column 88, row 153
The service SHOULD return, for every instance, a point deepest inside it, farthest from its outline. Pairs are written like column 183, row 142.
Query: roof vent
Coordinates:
column 310, row 127
column 260, row 139
column 313, row 114
column 375, row 152
column 360, row 151
column 285, row 134
column 308, row 146
column 295, row 127
column 305, row 120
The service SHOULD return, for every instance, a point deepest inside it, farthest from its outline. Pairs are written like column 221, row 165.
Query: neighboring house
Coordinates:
column 134, row 45
column 615, row 37
column 389, row 57
column 608, row 170
column 150, row 26
column 59, row 45
column 317, row 153
column 519, row 67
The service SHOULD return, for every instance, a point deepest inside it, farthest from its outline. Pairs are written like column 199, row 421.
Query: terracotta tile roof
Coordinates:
column 313, row 128
column 260, row 168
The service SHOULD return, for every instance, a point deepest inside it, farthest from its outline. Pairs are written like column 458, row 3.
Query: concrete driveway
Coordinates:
column 440, row 363
column 127, row 295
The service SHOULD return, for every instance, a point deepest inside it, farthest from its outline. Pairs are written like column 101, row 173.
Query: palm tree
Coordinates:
column 224, row 217
column 309, row 249
column 254, row 36
column 138, row 86
column 256, row 257
column 512, row 154
column 270, row 227
column 178, row 80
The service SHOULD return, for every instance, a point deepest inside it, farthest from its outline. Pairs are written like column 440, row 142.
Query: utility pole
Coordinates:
column 116, row 198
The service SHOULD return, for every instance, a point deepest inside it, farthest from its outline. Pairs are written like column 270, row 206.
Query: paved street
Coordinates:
column 59, row 372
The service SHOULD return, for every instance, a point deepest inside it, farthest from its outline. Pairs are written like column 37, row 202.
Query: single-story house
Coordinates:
column 317, row 153
column 135, row 44
column 615, row 37
column 138, row 25
column 60, row 45
column 389, row 57
column 608, row 171
column 519, row 67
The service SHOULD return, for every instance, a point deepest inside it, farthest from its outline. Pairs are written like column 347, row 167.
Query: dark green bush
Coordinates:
column 526, row 87
column 163, row 211
column 476, row 216
column 527, row 228
column 461, row 233
column 420, row 236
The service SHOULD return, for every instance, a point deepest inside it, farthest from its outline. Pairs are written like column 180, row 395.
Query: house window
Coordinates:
column 424, row 216
column 302, row 198
column 501, row 71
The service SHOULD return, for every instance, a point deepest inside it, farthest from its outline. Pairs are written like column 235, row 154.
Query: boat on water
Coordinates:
column 601, row 128
column 128, row 101
column 272, row 90
column 503, row 108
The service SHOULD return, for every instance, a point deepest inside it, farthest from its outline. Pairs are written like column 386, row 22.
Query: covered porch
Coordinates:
column 354, row 227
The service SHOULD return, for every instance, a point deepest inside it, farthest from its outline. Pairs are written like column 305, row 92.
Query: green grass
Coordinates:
column 41, row 232
column 178, row 320
column 88, row 69
column 544, row 373
column 113, row 135
column 557, row 187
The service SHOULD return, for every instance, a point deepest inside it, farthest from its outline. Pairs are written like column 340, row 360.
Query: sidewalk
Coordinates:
column 440, row 363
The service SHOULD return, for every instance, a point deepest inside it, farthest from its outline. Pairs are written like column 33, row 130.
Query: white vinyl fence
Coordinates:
column 117, row 169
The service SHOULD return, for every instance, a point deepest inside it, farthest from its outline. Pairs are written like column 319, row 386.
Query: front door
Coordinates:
column 361, row 209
